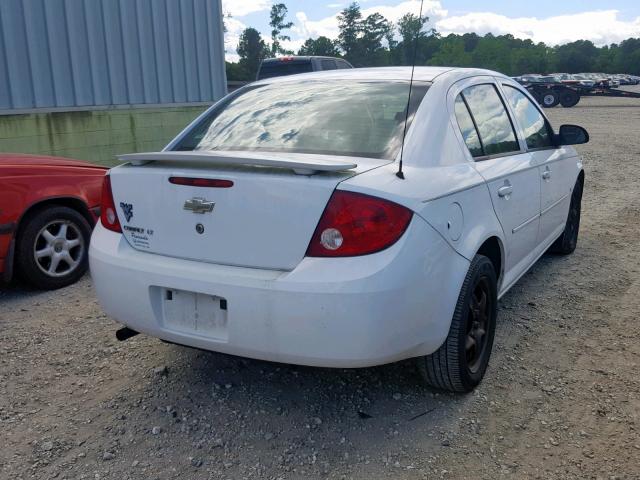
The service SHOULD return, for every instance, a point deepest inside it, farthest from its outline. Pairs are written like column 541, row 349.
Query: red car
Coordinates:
column 48, row 207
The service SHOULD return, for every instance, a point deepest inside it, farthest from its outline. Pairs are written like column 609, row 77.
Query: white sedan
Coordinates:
column 291, row 223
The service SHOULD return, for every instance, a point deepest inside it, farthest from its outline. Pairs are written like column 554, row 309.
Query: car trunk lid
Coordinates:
column 265, row 219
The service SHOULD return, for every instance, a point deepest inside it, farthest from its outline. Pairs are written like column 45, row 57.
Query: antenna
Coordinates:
column 400, row 173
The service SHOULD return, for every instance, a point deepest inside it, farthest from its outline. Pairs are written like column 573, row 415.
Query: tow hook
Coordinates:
column 125, row 333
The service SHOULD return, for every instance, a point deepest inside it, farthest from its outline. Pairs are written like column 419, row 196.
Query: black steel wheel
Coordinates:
column 460, row 363
column 537, row 95
column 568, row 241
column 569, row 98
column 477, row 325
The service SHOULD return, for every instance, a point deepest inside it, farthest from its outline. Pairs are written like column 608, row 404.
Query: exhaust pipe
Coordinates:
column 125, row 333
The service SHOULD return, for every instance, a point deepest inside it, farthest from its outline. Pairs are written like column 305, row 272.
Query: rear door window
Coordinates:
column 537, row 132
column 492, row 122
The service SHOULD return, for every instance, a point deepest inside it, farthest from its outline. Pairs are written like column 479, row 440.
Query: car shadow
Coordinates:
column 363, row 411
column 389, row 395
column 19, row 291
column 16, row 290
column 401, row 378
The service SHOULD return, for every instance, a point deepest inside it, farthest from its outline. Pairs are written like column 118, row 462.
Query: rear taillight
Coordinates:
column 108, row 214
column 355, row 224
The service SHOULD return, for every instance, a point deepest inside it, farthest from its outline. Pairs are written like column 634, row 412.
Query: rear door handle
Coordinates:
column 505, row 191
column 546, row 175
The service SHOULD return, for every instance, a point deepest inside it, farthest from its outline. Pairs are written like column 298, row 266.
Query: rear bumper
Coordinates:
column 346, row 312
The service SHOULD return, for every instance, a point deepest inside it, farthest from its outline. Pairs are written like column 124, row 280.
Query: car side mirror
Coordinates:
column 572, row 135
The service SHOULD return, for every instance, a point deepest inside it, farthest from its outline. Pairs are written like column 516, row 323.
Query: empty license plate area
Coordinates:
column 195, row 313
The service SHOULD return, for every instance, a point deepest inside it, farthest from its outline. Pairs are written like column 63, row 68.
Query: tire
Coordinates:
column 458, row 366
column 537, row 95
column 569, row 98
column 568, row 241
column 550, row 98
column 52, row 246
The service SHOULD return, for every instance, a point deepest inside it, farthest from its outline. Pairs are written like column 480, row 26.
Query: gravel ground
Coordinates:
column 561, row 398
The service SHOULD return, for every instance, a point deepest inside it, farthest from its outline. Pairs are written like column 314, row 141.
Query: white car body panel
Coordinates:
column 518, row 212
column 331, row 312
column 335, row 312
column 251, row 224
column 556, row 168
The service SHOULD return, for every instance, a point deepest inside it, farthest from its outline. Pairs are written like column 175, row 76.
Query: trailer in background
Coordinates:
column 551, row 94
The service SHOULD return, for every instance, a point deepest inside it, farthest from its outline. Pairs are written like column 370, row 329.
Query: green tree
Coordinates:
column 492, row 52
column 451, row 52
column 372, row 41
column 361, row 40
column 252, row 50
column 410, row 30
column 277, row 24
column 624, row 58
column 322, row 46
column 374, row 29
column 575, row 57
column 350, row 29
column 235, row 72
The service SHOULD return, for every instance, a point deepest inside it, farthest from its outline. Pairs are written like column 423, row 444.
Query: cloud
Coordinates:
column 306, row 28
column 601, row 27
column 294, row 44
column 431, row 8
column 240, row 8
column 232, row 37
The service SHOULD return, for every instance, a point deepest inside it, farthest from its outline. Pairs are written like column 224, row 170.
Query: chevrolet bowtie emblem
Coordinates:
column 199, row 205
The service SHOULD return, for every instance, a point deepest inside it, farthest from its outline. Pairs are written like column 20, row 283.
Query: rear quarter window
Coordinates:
column 467, row 128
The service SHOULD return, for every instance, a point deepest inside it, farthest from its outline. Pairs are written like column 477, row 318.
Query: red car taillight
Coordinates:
column 356, row 224
column 108, row 215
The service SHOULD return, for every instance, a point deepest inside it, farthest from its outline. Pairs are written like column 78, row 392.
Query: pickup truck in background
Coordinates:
column 290, row 65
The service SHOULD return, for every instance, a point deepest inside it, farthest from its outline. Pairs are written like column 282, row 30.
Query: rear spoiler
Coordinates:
column 302, row 164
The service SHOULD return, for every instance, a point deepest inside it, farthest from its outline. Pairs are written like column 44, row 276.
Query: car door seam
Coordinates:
column 493, row 206
column 447, row 240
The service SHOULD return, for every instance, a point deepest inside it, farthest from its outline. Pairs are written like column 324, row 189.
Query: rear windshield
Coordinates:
column 336, row 117
column 281, row 68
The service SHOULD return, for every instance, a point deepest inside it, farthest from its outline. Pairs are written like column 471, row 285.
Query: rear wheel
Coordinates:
column 550, row 99
column 460, row 363
column 569, row 98
column 567, row 242
column 536, row 94
column 51, row 250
